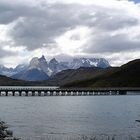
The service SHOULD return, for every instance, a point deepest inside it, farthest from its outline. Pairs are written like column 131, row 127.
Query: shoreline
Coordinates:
column 5, row 132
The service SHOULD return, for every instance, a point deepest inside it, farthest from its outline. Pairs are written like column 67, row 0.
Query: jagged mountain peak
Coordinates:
column 53, row 60
column 6, row 71
column 42, row 58
column 37, row 59
column 34, row 63
column 20, row 67
column 89, row 62
column 53, row 66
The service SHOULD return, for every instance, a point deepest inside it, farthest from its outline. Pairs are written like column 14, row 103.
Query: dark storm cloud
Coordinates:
column 6, row 53
column 35, row 25
column 112, row 44
column 42, row 24
column 10, row 12
column 111, row 20
column 43, row 27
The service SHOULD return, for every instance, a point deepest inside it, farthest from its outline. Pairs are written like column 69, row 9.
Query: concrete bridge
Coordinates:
column 56, row 91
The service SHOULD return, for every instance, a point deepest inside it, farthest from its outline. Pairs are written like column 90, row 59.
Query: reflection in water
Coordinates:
column 69, row 117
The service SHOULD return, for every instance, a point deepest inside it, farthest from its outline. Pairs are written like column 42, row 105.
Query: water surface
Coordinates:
column 38, row 117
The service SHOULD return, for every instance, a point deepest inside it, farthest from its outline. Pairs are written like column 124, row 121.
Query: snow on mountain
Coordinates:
column 34, row 63
column 50, row 68
column 6, row 71
column 44, row 69
column 89, row 62
column 20, row 67
column 56, row 66
column 40, row 64
column 53, row 66
column 37, row 70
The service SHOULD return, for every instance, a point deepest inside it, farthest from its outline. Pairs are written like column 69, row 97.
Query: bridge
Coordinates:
column 56, row 91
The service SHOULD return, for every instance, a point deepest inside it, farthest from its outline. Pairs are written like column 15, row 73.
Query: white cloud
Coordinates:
column 13, row 49
column 72, row 41
column 72, row 27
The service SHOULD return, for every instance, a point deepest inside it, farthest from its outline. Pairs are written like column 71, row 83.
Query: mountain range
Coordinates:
column 127, row 75
column 40, row 69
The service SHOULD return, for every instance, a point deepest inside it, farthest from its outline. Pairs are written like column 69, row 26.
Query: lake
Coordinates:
column 61, row 117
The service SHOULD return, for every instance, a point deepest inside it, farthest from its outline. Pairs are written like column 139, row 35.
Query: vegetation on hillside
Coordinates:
column 127, row 75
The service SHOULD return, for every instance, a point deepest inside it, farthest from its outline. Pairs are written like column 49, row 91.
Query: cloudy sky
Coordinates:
column 69, row 28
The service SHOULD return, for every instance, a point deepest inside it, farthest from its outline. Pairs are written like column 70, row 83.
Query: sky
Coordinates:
column 137, row 1
column 65, row 29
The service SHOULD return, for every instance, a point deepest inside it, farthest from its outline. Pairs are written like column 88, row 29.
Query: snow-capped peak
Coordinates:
column 89, row 62
column 53, row 66
column 34, row 63
column 54, row 61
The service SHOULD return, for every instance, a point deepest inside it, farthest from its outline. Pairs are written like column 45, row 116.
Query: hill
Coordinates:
column 72, row 75
column 6, row 81
column 127, row 75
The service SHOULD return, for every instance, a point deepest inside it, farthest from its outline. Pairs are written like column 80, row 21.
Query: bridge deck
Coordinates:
column 58, row 88
column 56, row 91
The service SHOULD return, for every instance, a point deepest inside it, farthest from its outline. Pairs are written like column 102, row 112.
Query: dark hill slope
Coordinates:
column 72, row 75
column 5, row 81
column 127, row 75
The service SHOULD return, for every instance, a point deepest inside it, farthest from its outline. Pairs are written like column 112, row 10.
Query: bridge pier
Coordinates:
column 73, row 93
column 38, row 93
column 6, row 93
column 13, row 93
column 33, row 93
column 26, row 93
column 19, row 93
column 121, row 92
